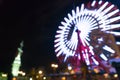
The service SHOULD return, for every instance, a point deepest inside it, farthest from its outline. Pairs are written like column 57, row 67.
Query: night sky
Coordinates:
column 35, row 22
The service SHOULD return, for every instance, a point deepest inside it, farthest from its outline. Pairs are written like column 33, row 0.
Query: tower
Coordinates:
column 17, row 61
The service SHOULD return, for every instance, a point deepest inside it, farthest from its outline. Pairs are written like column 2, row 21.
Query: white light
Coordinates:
column 40, row 72
column 93, row 3
column 100, row 1
column 82, row 7
column 87, row 59
column 4, row 75
column 114, row 33
column 108, row 49
column 102, row 7
column 112, row 13
column 118, row 43
column 69, row 68
column 103, row 57
column 44, row 78
column 31, row 79
column 112, row 20
column 96, row 62
column 23, row 74
column 115, row 75
column 54, row 65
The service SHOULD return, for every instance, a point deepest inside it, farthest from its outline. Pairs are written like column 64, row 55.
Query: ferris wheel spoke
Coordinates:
column 111, row 14
column 59, row 31
column 89, row 18
column 61, row 27
column 87, row 59
column 86, row 41
column 69, row 44
column 112, row 20
column 70, row 17
column 72, row 45
column 114, row 33
column 103, row 56
column 82, row 7
column 102, row 7
column 118, row 43
column 111, row 27
column 59, row 46
column 66, row 20
column 77, row 11
column 64, row 24
column 107, row 10
column 95, row 61
column 100, row 2
column 92, row 21
column 108, row 49
column 93, row 3
column 73, row 13
column 94, row 25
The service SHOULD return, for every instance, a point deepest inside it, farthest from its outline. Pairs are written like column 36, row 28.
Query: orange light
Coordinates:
column 63, row 78
column 14, row 78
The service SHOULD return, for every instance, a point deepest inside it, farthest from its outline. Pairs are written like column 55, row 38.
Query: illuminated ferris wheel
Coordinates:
column 87, row 35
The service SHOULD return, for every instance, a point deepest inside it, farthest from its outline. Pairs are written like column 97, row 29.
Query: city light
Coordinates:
column 4, row 75
column 54, row 65
column 40, row 71
column 69, row 68
column 106, row 75
column 63, row 78
column 115, row 75
column 31, row 79
column 21, row 73
column 44, row 78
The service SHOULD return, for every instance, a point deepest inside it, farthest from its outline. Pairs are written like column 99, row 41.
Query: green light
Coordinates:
column 17, row 62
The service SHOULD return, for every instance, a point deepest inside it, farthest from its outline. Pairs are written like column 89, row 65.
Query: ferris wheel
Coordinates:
column 88, row 34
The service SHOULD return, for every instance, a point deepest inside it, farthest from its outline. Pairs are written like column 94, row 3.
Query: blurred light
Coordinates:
column 72, row 72
column 69, row 67
column 63, row 78
column 115, row 75
column 31, row 79
column 21, row 73
column 4, row 75
column 103, row 57
column 54, row 65
column 44, row 78
column 14, row 78
column 40, row 72
column 118, row 43
column 37, row 76
column 106, row 75
column 96, row 71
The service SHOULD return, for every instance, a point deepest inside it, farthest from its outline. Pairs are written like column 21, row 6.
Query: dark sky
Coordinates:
column 35, row 22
